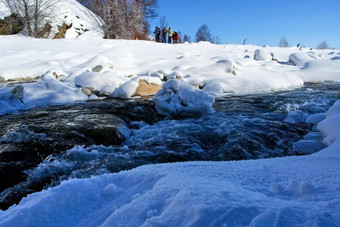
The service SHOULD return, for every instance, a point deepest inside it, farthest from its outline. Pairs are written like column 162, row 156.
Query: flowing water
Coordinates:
column 41, row 147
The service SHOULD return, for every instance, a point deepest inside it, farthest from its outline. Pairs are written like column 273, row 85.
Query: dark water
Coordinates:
column 40, row 147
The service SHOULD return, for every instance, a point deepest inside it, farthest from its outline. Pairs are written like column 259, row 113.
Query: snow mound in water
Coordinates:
column 179, row 98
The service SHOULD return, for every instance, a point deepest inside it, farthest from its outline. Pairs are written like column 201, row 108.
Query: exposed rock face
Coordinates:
column 3, row 80
column 146, row 89
column 18, row 92
column 10, row 25
column 62, row 31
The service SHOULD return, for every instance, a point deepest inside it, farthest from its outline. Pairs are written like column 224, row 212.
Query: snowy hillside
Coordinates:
column 85, row 24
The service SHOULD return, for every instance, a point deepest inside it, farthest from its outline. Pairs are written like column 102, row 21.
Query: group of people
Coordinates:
column 161, row 36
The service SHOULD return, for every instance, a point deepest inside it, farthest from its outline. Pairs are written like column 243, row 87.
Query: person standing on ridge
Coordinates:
column 169, row 35
column 164, row 32
column 157, row 33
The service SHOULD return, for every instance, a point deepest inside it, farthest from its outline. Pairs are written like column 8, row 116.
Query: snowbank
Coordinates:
column 290, row 191
column 179, row 98
column 115, row 66
column 320, row 70
column 48, row 91
column 299, row 58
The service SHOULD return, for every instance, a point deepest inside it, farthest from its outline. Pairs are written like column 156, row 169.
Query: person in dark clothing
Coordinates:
column 157, row 33
column 164, row 32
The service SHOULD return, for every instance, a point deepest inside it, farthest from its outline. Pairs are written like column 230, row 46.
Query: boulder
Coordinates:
column 146, row 89
column 262, row 54
column 18, row 92
column 86, row 91
column 299, row 58
column 3, row 80
column 97, row 68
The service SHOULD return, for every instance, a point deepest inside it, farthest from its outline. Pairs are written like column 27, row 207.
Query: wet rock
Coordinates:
column 38, row 135
column 146, row 89
column 18, row 92
column 97, row 68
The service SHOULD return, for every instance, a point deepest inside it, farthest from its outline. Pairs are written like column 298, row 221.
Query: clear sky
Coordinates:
column 261, row 22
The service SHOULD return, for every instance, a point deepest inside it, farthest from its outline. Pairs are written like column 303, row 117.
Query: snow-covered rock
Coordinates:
column 262, row 54
column 18, row 92
column 179, row 98
column 299, row 58
column 108, row 81
column 130, row 88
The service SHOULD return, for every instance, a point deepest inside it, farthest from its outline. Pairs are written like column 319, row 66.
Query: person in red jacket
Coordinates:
column 175, row 37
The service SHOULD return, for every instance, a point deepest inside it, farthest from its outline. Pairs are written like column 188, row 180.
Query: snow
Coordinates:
column 262, row 54
column 299, row 58
column 289, row 191
column 114, row 67
column 4, row 10
column 179, row 98
column 329, row 69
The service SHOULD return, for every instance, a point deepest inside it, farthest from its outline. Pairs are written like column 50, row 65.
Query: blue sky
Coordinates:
column 261, row 22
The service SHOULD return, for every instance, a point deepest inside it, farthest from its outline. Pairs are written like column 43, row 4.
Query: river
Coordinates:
column 43, row 146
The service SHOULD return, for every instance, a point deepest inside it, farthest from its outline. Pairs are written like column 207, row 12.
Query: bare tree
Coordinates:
column 187, row 38
column 34, row 13
column 323, row 45
column 124, row 18
column 204, row 34
column 283, row 42
column 162, row 22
